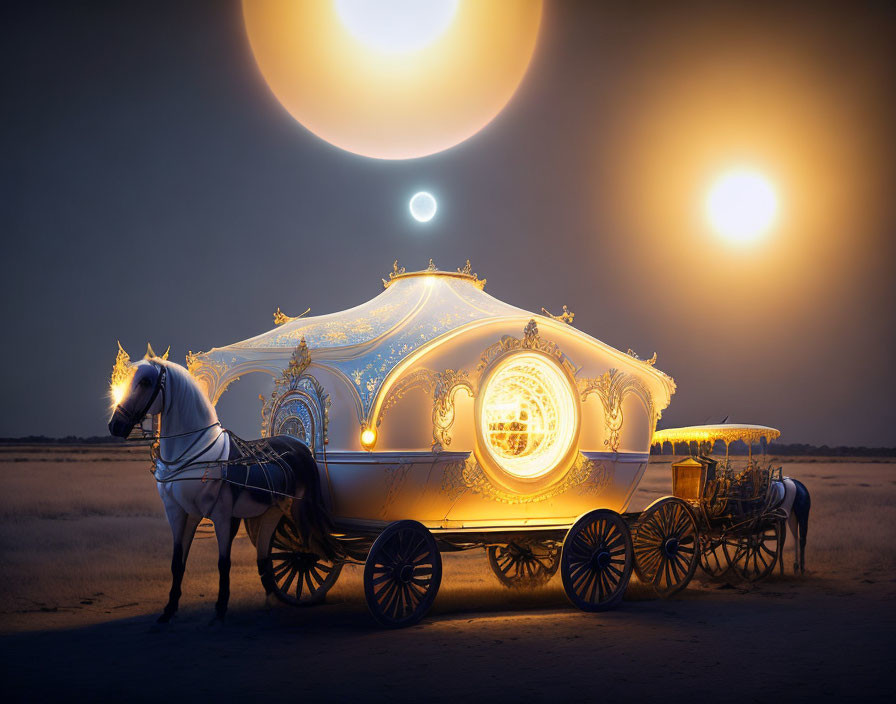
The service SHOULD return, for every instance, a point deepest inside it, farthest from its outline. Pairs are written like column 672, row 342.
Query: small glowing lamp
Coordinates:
column 368, row 438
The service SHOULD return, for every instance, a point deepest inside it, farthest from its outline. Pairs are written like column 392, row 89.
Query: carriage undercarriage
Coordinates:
column 729, row 537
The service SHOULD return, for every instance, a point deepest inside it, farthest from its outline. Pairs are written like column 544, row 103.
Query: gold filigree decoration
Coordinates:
column 567, row 316
column 531, row 341
column 121, row 370
column 631, row 353
column 298, row 363
column 468, row 271
column 612, row 387
column 396, row 271
column 448, row 383
column 280, row 317
column 590, row 477
column 150, row 353
column 193, row 362
column 442, row 386
column 292, row 378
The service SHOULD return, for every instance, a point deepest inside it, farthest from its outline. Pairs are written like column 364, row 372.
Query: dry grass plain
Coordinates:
column 85, row 552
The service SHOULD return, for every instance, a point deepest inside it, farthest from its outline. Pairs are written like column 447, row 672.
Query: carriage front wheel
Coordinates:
column 298, row 576
column 665, row 544
column 597, row 559
column 402, row 574
column 753, row 556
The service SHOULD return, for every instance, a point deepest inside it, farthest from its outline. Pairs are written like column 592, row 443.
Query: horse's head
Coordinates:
column 138, row 394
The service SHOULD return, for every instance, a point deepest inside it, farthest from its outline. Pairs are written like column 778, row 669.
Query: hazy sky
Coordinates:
column 154, row 189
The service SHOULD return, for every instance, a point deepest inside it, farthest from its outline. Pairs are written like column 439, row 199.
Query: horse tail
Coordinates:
column 313, row 521
column 801, row 506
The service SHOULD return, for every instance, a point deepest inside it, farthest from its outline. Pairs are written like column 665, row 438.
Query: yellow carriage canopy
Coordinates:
column 727, row 433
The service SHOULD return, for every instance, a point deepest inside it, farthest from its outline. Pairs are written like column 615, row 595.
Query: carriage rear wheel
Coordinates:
column 402, row 574
column 665, row 545
column 521, row 566
column 299, row 577
column 713, row 560
column 597, row 559
column 753, row 556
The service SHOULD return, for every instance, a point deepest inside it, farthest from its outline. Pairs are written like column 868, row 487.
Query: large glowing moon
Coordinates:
column 423, row 206
column 393, row 79
column 741, row 205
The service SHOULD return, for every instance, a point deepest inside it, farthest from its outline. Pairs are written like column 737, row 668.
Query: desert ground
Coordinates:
column 85, row 552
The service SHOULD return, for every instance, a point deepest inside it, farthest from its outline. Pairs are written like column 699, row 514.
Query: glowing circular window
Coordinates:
column 528, row 417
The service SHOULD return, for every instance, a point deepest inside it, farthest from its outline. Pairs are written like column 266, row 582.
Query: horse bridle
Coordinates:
column 136, row 419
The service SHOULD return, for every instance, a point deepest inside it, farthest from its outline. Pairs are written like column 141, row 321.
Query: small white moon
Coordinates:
column 423, row 206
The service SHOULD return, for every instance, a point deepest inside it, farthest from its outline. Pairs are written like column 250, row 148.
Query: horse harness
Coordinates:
column 253, row 465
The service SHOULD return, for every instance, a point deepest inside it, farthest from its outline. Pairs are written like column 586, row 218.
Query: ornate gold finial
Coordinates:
column 150, row 354
column 299, row 362
column 280, row 317
column 530, row 334
column 567, row 316
column 193, row 361
column 468, row 271
column 432, row 266
column 121, row 368
column 634, row 354
column 396, row 271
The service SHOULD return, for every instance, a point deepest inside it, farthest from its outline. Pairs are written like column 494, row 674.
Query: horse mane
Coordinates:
column 185, row 397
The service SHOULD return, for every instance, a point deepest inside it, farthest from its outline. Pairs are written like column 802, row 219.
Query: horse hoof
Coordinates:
column 164, row 619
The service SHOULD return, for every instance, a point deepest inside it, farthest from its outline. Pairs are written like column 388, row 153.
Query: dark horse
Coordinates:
column 798, row 522
column 203, row 471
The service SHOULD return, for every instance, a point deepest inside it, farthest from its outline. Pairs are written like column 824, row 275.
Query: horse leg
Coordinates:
column 803, row 522
column 225, row 535
column 792, row 525
column 183, row 527
column 782, row 539
column 268, row 524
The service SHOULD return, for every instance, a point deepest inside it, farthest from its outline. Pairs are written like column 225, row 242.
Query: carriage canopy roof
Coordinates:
column 727, row 433
column 365, row 343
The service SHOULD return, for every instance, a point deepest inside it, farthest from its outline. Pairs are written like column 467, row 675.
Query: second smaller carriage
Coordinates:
column 723, row 515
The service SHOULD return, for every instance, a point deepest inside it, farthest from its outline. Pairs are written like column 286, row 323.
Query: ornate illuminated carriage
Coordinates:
column 444, row 419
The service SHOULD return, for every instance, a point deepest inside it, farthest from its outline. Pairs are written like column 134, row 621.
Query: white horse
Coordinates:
column 203, row 470
column 791, row 497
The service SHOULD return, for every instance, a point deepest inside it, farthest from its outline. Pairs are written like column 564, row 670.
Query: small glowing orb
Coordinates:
column 529, row 417
column 741, row 205
column 396, row 26
column 423, row 206
column 368, row 438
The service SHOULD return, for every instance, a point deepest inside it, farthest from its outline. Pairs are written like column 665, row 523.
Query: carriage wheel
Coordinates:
column 299, row 577
column 753, row 556
column 665, row 545
column 713, row 560
column 596, row 562
column 402, row 574
column 523, row 566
